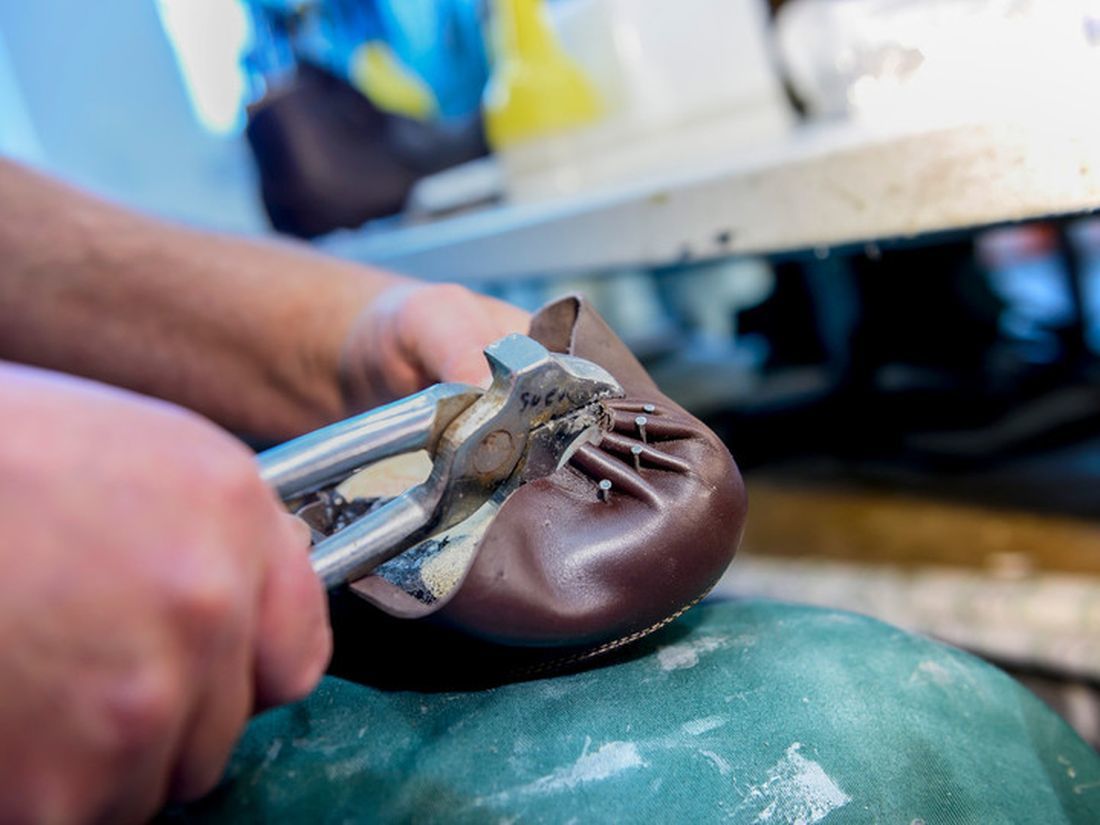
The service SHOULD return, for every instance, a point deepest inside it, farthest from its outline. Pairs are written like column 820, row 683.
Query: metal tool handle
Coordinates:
column 478, row 440
column 321, row 457
column 373, row 539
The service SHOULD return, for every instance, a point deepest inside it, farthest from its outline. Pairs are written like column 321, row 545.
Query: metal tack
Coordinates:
column 604, row 490
column 641, row 421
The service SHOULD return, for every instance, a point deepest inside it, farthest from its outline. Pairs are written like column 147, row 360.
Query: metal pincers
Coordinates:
column 539, row 408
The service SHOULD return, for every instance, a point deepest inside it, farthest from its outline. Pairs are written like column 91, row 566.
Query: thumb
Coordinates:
column 468, row 366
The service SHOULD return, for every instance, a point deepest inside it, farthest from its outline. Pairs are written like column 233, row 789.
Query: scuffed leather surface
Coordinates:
column 559, row 566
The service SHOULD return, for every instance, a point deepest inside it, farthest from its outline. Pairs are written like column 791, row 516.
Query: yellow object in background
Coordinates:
column 535, row 89
column 391, row 85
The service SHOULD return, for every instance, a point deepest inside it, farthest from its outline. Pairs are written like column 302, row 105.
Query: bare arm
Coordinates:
column 268, row 338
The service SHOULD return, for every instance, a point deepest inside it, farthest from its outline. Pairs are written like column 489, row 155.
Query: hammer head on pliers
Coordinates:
column 534, row 393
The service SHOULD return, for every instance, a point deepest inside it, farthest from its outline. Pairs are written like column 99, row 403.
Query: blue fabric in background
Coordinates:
column 442, row 41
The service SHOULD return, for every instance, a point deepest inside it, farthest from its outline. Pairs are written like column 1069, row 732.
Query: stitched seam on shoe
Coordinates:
column 559, row 664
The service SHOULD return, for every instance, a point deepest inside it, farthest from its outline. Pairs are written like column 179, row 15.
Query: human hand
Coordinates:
column 154, row 593
column 416, row 334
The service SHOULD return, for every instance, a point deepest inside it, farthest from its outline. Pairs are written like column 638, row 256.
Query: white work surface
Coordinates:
column 824, row 186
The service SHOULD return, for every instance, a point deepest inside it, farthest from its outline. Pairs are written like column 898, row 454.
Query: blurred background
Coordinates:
column 855, row 236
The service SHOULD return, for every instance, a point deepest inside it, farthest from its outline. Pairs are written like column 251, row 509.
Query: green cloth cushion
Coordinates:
column 746, row 711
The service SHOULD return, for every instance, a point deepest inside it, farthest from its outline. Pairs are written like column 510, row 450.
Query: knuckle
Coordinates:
column 434, row 296
column 206, row 602
column 204, row 582
column 142, row 710
column 213, row 459
column 451, row 291
column 231, row 475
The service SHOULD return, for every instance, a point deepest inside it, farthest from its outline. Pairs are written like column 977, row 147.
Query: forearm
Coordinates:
column 248, row 333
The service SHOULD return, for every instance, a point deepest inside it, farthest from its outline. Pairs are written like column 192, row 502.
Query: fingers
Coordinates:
column 272, row 648
column 418, row 334
column 463, row 323
column 508, row 318
column 496, row 320
column 221, row 713
column 373, row 369
column 467, row 367
column 143, row 791
column 177, row 588
column 293, row 641
column 303, row 534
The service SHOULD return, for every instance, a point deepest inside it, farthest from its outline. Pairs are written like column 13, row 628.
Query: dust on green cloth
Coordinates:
column 746, row 711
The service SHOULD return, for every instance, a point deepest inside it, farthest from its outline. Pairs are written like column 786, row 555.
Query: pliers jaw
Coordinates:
column 539, row 407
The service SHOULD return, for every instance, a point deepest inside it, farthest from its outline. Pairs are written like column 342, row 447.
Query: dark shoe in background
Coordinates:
column 329, row 159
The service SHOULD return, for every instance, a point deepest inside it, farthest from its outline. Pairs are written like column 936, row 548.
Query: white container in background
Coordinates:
column 685, row 84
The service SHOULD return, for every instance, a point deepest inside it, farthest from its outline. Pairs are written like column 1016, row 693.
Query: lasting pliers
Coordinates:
column 540, row 407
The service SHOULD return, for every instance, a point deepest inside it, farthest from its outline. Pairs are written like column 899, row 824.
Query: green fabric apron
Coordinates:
column 739, row 712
